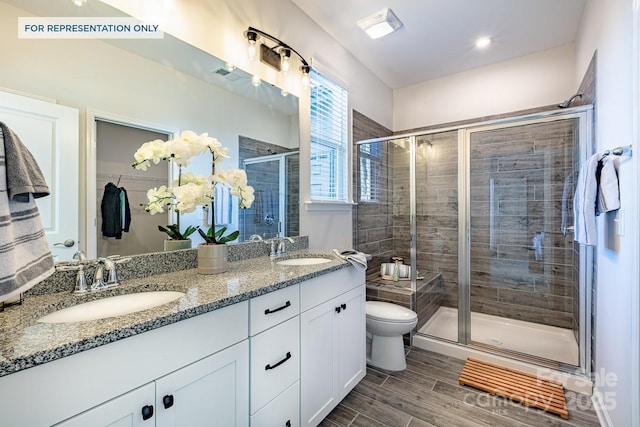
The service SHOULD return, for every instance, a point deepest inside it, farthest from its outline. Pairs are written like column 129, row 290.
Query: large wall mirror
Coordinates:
column 129, row 91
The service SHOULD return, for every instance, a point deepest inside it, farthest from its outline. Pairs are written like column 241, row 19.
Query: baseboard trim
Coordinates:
column 601, row 408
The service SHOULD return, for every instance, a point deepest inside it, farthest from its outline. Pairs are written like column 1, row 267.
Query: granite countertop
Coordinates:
column 25, row 342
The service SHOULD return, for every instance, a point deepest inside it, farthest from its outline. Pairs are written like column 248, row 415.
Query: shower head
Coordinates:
column 566, row 103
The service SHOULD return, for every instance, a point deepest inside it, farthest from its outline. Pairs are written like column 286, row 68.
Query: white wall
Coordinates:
column 217, row 27
column 535, row 80
column 93, row 74
column 607, row 27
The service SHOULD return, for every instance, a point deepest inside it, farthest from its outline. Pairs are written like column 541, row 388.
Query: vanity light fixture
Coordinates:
column 278, row 56
column 380, row 23
column 79, row 3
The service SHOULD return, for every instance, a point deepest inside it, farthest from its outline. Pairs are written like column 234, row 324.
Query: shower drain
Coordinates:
column 494, row 341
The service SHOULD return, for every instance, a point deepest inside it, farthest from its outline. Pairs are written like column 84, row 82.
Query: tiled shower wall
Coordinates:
column 372, row 221
column 521, row 261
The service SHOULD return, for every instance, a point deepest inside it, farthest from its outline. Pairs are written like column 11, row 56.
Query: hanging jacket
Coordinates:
column 125, row 210
column 111, row 212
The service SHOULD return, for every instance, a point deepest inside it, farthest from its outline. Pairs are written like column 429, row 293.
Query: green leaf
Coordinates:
column 230, row 237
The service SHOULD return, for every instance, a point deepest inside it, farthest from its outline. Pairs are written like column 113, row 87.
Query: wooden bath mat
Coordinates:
column 517, row 386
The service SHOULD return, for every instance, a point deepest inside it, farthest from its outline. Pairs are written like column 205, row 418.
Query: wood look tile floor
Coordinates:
column 427, row 394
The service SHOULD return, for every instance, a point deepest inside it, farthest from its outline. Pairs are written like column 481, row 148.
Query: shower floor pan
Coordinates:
column 548, row 342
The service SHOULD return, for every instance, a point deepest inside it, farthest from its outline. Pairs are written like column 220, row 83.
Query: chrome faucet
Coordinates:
column 278, row 245
column 282, row 245
column 106, row 266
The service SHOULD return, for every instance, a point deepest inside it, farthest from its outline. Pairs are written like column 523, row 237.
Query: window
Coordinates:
column 370, row 171
column 329, row 139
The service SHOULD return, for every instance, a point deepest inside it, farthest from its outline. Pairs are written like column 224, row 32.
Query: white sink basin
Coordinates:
column 110, row 307
column 303, row 261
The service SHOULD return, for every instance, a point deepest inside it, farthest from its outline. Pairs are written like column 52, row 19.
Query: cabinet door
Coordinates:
column 212, row 391
column 123, row 411
column 350, row 338
column 319, row 361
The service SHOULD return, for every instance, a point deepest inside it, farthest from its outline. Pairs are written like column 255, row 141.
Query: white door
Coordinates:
column 350, row 336
column 318, row 363
column 133, row 409
column 50, row 132
column 211, row 392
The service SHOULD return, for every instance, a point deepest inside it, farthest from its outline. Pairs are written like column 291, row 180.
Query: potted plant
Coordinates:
column 212, row 254
column 192, row 190
column 177, row 239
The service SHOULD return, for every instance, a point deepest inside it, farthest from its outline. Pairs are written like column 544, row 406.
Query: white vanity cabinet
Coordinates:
column 210, row 391
column 332, row 341
column 285, row 358
column 203, row 362
column 274, row 327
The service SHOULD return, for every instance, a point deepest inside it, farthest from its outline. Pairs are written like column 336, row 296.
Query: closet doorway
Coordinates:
column 111, row 154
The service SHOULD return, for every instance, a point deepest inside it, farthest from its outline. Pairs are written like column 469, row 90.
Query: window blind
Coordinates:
column 329, row 139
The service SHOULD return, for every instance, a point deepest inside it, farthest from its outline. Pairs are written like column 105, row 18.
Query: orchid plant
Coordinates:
column 190, row 190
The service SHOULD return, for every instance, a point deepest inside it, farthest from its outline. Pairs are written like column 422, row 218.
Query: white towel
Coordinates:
column 566, row 190
column 584, row 203
column 357, row 259
column 608, row 188
column 222, row 200
column 25, row 258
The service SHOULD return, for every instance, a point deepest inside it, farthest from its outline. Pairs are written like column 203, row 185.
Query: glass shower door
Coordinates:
column 524, row 293
column 436, row 185
column 264, row 216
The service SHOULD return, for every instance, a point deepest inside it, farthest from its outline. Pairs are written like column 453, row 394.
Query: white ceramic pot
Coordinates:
column 174, row 245
column 212, row 259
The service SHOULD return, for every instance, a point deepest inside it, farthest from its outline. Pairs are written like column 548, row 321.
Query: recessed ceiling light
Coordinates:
column 482, row 42
column 380, row 23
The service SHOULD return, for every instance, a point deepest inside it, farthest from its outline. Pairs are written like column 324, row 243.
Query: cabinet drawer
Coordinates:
column 283, row 411
column 270, row 309
column 275, row 362
column 322, row 288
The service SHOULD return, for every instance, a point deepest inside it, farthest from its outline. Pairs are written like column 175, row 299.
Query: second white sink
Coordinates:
column 110, row 307
column 303, row 261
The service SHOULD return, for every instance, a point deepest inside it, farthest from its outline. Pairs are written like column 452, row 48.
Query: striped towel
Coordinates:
column 25, row 258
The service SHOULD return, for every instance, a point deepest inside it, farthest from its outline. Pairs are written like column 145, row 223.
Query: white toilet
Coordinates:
column 386, row 323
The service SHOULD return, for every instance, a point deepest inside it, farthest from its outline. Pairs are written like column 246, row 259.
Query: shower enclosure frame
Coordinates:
column 282, row 183
column 584, row 114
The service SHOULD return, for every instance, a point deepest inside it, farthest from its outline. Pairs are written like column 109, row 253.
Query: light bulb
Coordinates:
column 229, row 66
column 251, row 36
column 286, row 60
column 255, row 80
column 306, row 81
column 284, row 92
column 79, row 3
column 251, row 50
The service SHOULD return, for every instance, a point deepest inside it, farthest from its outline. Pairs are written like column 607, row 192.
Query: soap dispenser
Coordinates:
column 396, row 269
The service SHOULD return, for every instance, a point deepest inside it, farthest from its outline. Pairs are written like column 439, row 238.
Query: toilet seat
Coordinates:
column 388, row 312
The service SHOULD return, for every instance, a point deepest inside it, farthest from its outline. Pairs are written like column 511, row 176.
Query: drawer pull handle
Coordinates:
column 344, row 306
column 167, row 401
column 288, row 423
column 147, row 412
column 275, row 310
column 338, row 309
column 287, row 357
